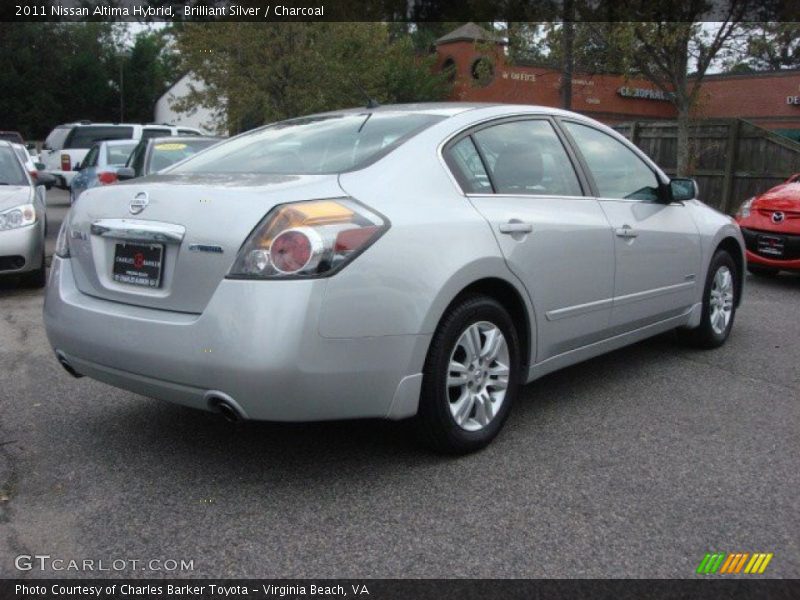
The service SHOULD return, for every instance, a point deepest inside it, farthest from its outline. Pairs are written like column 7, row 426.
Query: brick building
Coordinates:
column 481, row 72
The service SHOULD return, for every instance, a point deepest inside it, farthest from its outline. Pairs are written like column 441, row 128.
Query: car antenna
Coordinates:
column 371, row 102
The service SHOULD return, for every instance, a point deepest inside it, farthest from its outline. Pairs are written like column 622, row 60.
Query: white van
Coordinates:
column 68, row 144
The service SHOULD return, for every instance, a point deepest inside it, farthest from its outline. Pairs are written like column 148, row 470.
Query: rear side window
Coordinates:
column 149, row 132
column 136, row 159
column 84, row 136
column 527, row 157
column 617, row 171
column 55, row 141
column 467, row 167
column 117, row 154
column 91, row 157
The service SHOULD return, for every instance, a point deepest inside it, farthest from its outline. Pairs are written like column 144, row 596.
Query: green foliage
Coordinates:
column 772, row 46
column 269, row 71
column 148, row 70
column 59, row 72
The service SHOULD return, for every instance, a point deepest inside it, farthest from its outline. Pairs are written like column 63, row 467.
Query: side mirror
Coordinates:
column 684, row 189
column 44, row 178
column 124, row 173
column 794, row 178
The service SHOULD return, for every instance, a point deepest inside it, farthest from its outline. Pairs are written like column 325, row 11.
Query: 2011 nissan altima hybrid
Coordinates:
column 402, row 261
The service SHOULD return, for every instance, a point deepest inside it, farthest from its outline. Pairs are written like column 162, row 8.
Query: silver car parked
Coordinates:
column 23, row 219
column 405, row 261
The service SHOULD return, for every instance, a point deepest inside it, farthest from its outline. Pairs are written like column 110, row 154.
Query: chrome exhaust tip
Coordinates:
column 226, row 406
column 67, row 367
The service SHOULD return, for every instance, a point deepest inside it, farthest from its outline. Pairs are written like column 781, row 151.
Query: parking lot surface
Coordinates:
column 634, row 464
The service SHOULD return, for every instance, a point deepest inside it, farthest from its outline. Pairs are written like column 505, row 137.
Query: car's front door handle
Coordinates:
column 626, row 231
column 515, row 227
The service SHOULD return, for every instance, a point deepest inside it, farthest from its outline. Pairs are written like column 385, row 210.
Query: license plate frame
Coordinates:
column 772, row 246
column 138, row 264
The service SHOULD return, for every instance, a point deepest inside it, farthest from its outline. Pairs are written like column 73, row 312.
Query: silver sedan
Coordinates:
column 22, row 219
column 405, row 261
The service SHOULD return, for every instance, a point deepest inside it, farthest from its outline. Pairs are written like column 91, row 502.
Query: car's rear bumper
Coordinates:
column 21, row 249
column 256, row 342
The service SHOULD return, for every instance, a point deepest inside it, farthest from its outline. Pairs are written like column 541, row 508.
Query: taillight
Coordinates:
column 307, row 239
column 34, row 175
column 107, row 177
column 66, row 162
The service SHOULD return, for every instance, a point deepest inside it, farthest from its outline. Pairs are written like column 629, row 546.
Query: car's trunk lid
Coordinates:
column 195, row 223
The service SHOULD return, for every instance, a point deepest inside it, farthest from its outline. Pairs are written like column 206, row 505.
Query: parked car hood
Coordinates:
column 14, row 195
column 784, row 197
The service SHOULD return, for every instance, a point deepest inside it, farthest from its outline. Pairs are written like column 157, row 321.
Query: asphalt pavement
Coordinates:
column 634, row 464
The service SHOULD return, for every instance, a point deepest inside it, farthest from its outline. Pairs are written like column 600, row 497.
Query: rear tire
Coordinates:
column 760, row 271
column 719, row 304
column 471, row 377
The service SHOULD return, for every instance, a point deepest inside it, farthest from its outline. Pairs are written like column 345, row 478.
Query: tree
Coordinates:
column 55, row 72
column 149, row 69
column 270, row 71
column 665, row 51
column 773, row 46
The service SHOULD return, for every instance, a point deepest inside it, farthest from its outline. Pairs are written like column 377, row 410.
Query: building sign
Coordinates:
column 517, row 76
column 644, row 94
column 795, row 100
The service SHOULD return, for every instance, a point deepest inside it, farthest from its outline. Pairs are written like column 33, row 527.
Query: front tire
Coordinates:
column 719, row 304
column 471, row 377
column 37, row 279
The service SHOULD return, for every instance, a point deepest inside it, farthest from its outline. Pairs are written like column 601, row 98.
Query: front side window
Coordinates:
column 312, row 145
column 617, row 171
column 527, row 157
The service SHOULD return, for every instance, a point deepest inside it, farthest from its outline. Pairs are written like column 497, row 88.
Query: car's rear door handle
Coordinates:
column 515, row 227
column 626, row 231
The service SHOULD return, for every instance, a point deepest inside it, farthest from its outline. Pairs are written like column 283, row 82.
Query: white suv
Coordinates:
column 68, row 144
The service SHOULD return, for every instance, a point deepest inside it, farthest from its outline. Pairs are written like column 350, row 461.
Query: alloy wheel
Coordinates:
column 721, row 300
column 477, row 376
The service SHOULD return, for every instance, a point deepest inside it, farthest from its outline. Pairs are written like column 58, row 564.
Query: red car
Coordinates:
column 771, row 228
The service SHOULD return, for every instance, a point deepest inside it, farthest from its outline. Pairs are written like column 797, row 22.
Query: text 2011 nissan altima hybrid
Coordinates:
column 420, row 260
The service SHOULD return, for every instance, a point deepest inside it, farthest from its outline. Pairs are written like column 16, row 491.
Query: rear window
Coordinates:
column 55, row 141
column 312, row 145
column 11, row 136
column 148, row 133
column 11, row 172
column 188, row 132
column 165, row 153
column 117, row 154
column 84, row 136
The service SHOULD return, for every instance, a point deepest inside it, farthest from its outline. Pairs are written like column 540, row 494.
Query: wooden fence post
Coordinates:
column 730, row 164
